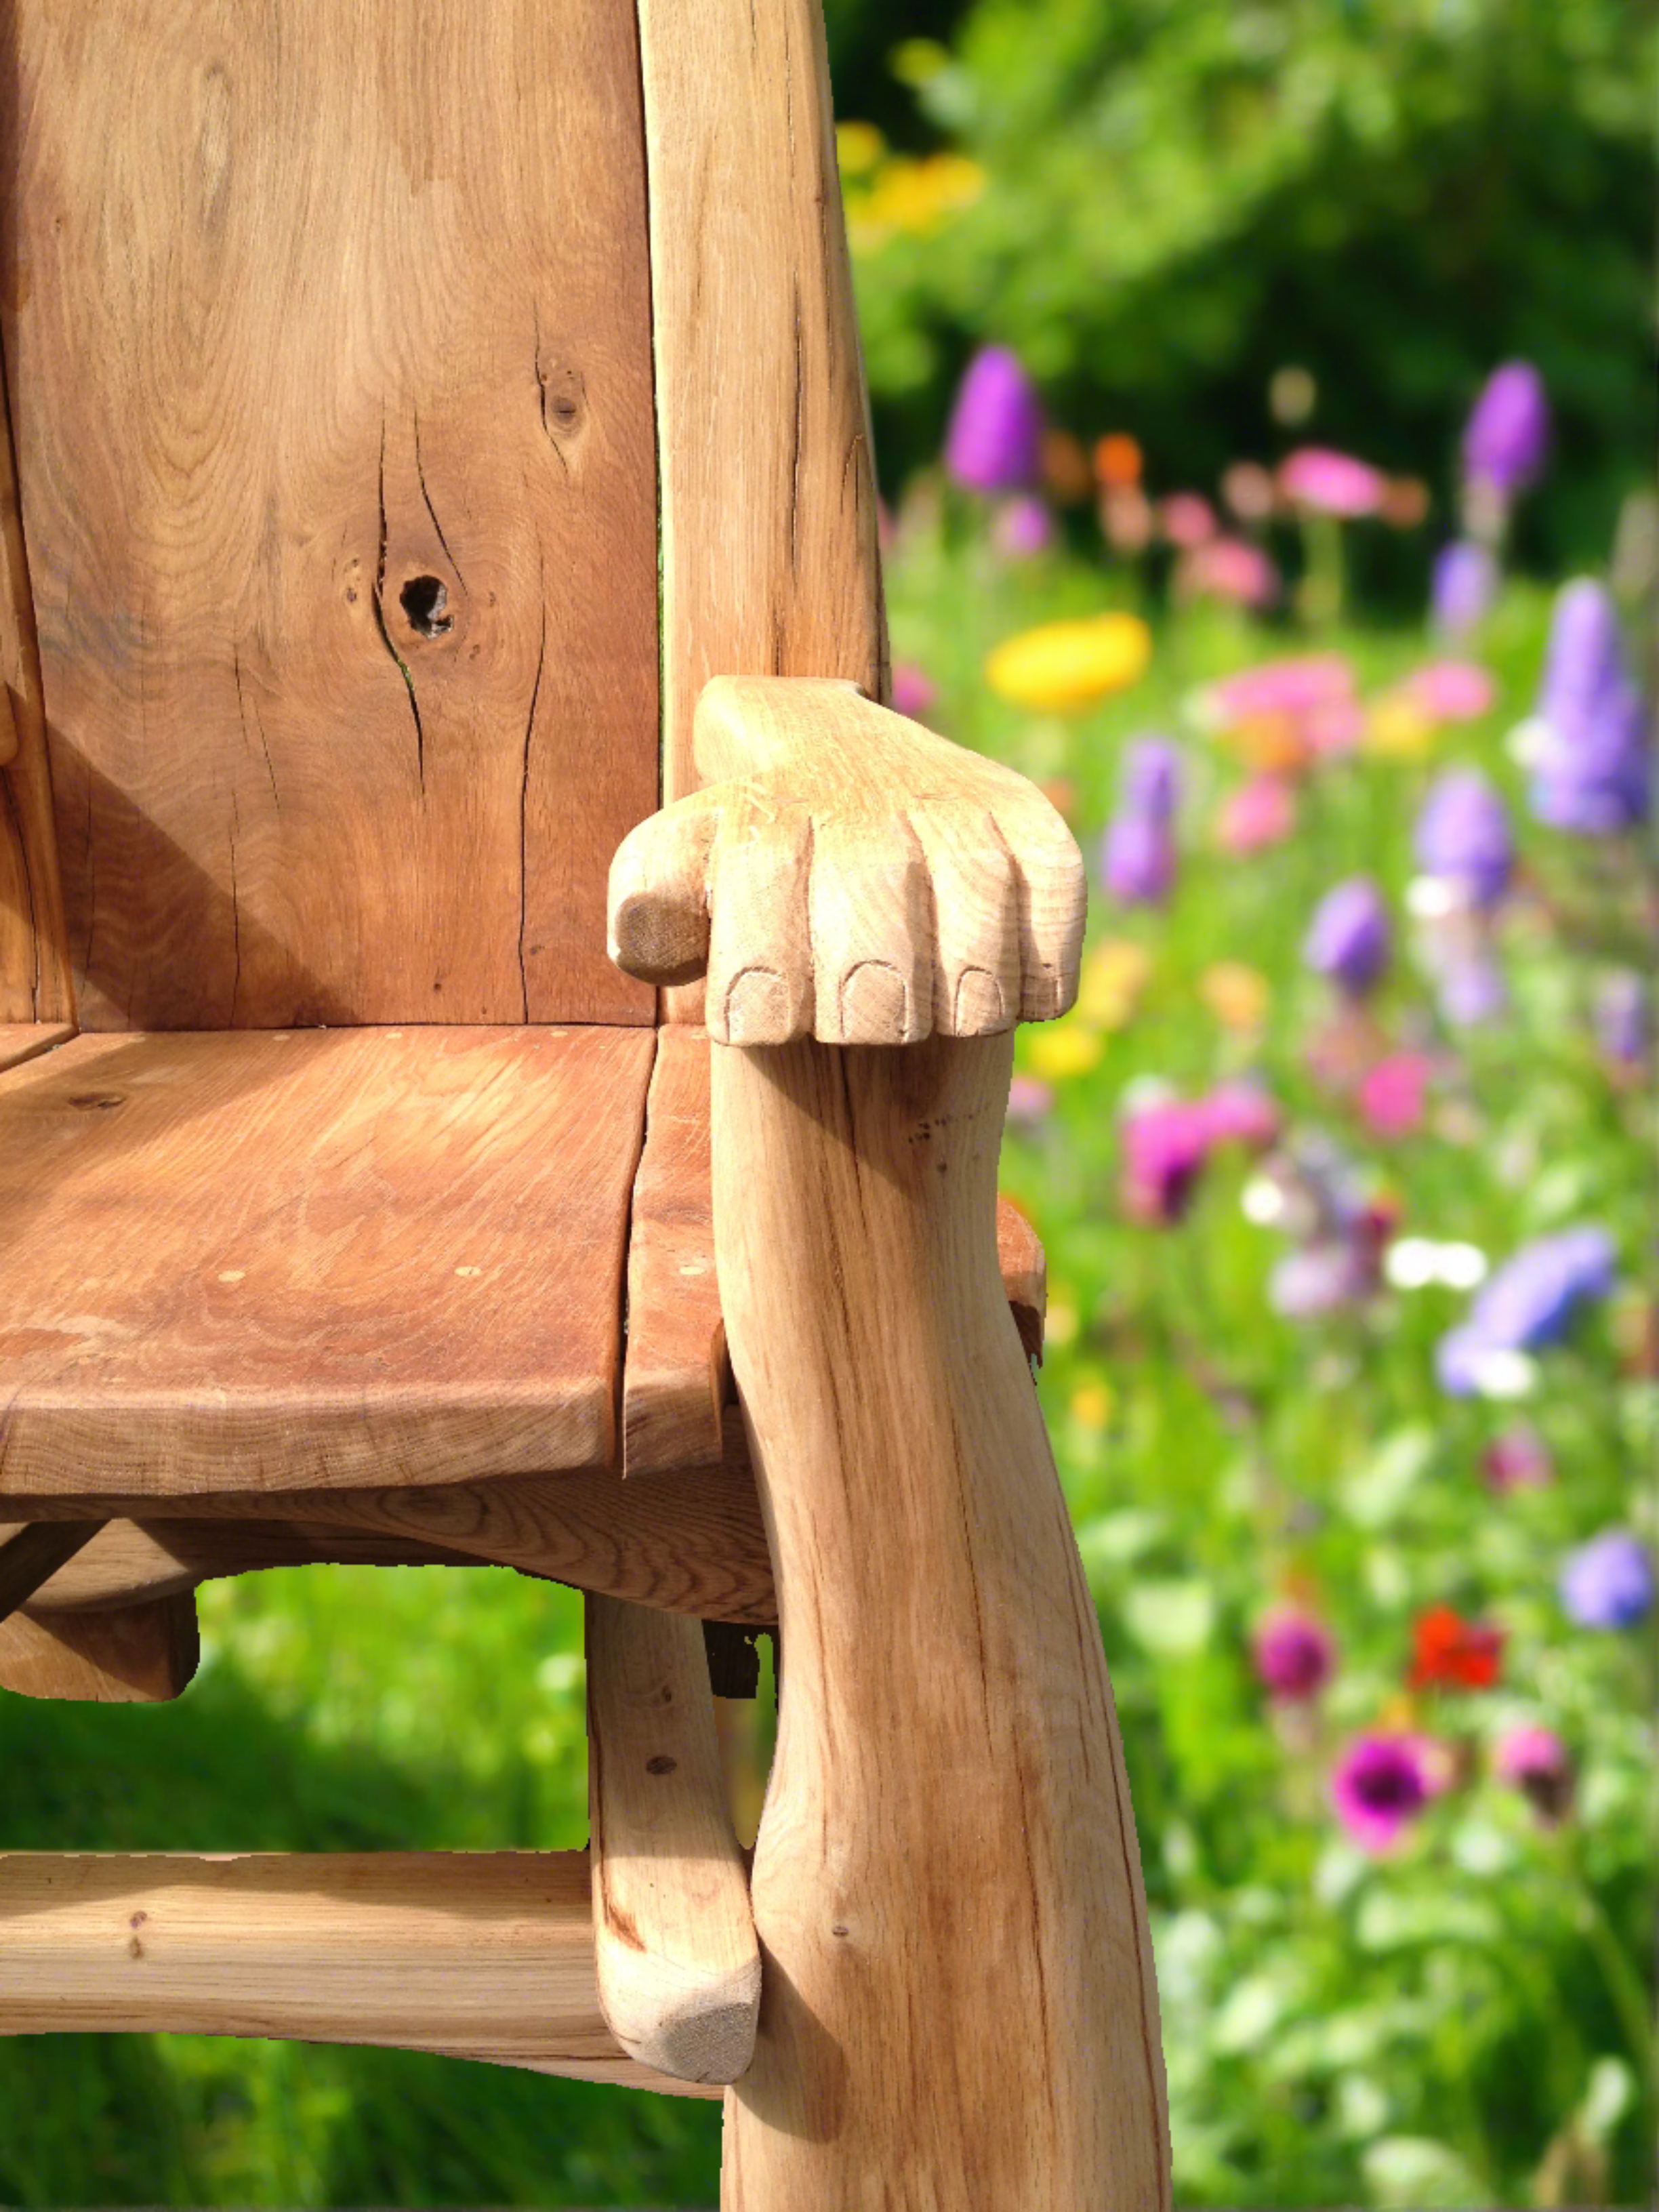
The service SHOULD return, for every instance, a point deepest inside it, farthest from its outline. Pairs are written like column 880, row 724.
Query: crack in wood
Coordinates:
column 385, row 635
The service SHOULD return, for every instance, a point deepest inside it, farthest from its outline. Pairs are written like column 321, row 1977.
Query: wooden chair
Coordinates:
column 362, row 364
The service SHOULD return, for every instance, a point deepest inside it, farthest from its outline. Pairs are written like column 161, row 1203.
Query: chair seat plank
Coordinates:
column 271, row 1260
column 679, row 1971
column 485, row 1955
column 22, row 1041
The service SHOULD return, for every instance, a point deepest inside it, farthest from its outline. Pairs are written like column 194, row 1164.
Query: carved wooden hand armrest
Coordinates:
column 850, row 875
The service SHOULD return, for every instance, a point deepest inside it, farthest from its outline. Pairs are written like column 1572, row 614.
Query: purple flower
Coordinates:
column 1469, row 988
column 1507, row 440
column 1024, row 527
column 1535, row 1761
column 1607, row 1582
column 1165, row 1146
column 1590, row 765
column 1464, row 586
column 994, row 442
column 1530, row 1302
column 1464, row 835
column 1150, row 777
column 1381, row 1785
column 1332, row 1274
column 1519, row 1459
column 1623, row 1016
column 1138, row 859
column 1349, row 939
column 1294, row 1655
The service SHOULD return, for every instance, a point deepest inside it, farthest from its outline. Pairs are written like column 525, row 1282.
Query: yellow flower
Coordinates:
column 912, row 196
column 1067, row 1048
column 1236, row 996
column 1070, row 664
column 1059, row 1324
column 1114, row 976
column 1398, row 728
column 1092, row 1405
column 1272, row 745
column 858, row 148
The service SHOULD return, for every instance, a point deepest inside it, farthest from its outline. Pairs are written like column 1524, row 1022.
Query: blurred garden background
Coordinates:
column 1262, row 403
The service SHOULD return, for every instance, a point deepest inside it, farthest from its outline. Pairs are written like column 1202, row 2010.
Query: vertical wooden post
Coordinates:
column 957, row 2003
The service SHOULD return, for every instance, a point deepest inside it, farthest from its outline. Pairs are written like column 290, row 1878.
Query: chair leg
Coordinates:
column 130, row 1655
column 958, row 2004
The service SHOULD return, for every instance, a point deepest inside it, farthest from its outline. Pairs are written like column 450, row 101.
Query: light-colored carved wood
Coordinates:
column 679, row 1971
column 769, row 507
column 263, row 1260
column 957, row 2006
column 22, row 1041
column 685, row 1544
column 677, row 1378
column 32, row 1554
column 484, row 1955
column 675, row 1373
column 35, row 967
column 135, row 1655
column 849, row 875
column 331, row 375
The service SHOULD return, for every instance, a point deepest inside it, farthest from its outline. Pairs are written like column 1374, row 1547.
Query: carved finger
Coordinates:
column 760, row 962
column 976, row 960
column 1052, row 899
column 659, row 893
column 873, row 950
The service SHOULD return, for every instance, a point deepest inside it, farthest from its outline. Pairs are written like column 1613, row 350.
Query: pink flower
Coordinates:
column 1227, row 569
column 1165, row 1147
column 1294, row 1655
column 1332, row 483
column 1393, row 1093
column 1030, row 1102
column 1381, row 1785
column 1517, row 1460
column 1450, row 691
column 1535, row 1761
column 1248, row 489
column 1294, row 686
column 1187, row 518
column 913, row 690
column 1260, row 812
column 1239, row 1113
column 1024, row 527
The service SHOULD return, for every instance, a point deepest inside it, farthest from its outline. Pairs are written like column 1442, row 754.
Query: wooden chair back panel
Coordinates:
column 328, row 332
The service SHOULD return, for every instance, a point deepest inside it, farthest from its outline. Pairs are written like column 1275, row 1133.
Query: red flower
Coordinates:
column 1454, row 1654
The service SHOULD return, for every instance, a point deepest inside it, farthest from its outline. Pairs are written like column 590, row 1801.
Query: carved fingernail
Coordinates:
column 874, row 1004
column 979, row 1010
column 758, row 1008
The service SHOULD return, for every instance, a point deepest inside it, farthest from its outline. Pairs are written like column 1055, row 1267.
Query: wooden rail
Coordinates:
column 485, row 1955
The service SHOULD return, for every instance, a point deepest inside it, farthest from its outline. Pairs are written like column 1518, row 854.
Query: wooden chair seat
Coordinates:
column 271, row 1260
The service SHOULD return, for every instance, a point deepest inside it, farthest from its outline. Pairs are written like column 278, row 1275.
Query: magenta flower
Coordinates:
column 994, row 442
column 1519, row 1459
column 1296, row 686
column 1259, row 813
column 1332, row 483
column 1165, row 1147
column 1451, row 690
column 1024, row 527
column 913, row 690
column 1393, row 1094
column 1508, row 437
column 1381, row 1785
column 1240, row 1114
column 1464, row 586
column 1535, row 1761
column 1350, row 938
column 1294, row 1655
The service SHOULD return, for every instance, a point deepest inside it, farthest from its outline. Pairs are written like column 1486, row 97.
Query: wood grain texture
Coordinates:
column 22, row 1041
column 677, row 1379
column 35, row 984
column 849, row 875
column 679, row 1971
column 768, row 506
column 32, row 1554
column 135, row 1655
column 481, row 1955
column 329, row 336
column 957, row 2006
column 696, row 1545
column 267, row 1261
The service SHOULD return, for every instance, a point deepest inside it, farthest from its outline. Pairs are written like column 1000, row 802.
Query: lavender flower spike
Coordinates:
column 1463, row 588
column 994, row 442
column 1463, row 836
column 1591, row 766
column 1508, row 437
column 1349, row 941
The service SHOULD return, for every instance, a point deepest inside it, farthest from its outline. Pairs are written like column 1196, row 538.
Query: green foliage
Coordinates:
column 1395, row 193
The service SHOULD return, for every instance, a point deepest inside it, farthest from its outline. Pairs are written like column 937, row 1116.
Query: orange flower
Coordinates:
column 1118, row 460
column 1454, row 1654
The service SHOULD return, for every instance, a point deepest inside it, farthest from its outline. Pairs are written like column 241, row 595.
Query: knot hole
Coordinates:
column 424, row 599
